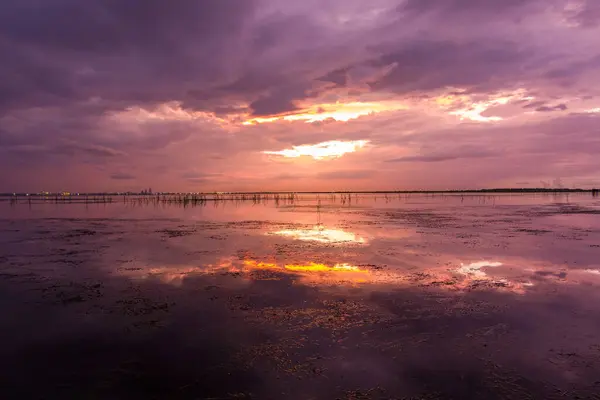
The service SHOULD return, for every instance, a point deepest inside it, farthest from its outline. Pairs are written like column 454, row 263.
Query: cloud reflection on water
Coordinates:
column 593, row 271
column 473, row 270
column 468, row 276
column 321, row 235
column 308, row 272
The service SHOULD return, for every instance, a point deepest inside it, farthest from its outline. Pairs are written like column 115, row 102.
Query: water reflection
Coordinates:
column 469, row 276
column 593, row 271
column 312, row 272
column 308, row 267
column 473, row 270
column 307, row 272
column 172, row 275
column 420, row 241
column 322, row 235
column 242, row 271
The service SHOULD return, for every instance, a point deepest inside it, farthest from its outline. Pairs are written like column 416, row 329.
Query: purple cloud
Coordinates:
column 99, row 87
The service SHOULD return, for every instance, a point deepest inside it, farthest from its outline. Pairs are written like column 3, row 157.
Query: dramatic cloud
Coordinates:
column 270, row 94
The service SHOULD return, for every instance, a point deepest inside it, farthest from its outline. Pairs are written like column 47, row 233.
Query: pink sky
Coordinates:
column 311, row 95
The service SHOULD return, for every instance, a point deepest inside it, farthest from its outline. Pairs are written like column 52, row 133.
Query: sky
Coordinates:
column 249, row 95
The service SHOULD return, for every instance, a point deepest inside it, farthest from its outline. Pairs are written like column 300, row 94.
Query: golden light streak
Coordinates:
column 308, row 267
column 338, row 111
column 320, row 151
column 314, row 267
column 314, row 273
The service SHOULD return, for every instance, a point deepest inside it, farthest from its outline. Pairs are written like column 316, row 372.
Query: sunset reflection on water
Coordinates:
column 463, row 277
column 313, row 272
column 316, row 288
column 375, row 245
column 322, row 235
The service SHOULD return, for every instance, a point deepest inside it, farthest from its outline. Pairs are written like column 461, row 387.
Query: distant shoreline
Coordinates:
column 463, row 191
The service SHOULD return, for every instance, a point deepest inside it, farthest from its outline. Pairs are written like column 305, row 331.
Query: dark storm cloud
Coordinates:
column 280, row 101
column 347, row 174
column 558, row 107
column 457, row 7
column 205, row 54
column 569, row 73
column 212, row 54
column 274, row 104
column 199, row 177
column 115, row 26
column 287, row 177
column 122, row 176
column 57, row 51
column 338, row 76
column 449, row 155
column 587, row 15
column 428, row 65
column 86, row 148
column 535, row 104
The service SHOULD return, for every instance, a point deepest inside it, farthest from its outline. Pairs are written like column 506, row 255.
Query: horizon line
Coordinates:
column 424, row 191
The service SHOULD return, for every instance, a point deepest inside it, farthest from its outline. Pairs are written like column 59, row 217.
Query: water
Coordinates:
column 316, row 297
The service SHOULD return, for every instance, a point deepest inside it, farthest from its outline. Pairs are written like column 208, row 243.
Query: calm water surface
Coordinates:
column 366, row 297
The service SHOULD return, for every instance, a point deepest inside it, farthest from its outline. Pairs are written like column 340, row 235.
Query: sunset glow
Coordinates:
column 320, row 151
column 337, row 112
column 251, row 111
column 277, row 199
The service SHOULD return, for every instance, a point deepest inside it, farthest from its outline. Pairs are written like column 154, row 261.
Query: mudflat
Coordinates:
column 315, row 297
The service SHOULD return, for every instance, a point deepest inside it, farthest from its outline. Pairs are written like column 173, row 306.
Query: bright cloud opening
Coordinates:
column 473, row 110
column 339, row 112
column 320, row 151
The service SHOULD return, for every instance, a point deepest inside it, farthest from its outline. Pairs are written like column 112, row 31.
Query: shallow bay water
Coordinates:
column 319, row 297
